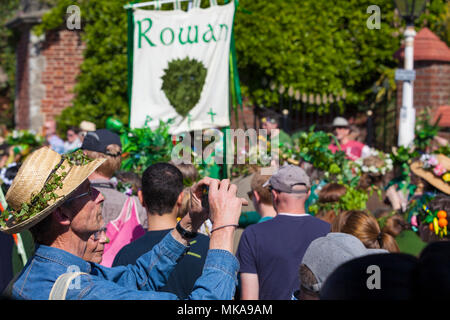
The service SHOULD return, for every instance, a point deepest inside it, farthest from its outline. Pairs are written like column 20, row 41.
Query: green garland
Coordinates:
column 354, row 199
column 142, row 147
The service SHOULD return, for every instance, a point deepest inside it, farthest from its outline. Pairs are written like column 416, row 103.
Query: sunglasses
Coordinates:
column 90, row 192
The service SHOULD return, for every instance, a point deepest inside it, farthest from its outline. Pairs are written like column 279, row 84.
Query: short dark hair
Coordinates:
column 162, row 183
column 74, row 129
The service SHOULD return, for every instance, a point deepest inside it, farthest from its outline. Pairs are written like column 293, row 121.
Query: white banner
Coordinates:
column 181, row 68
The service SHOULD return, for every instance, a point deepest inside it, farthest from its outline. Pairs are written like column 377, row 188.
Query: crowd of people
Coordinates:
column 175, row 235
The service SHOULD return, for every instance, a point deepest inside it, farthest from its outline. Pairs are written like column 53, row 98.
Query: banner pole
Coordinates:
column 232, row 93
column 130, row 53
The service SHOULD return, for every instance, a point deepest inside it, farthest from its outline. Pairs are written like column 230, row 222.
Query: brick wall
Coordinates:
column 246, row 115
column 55, row 67
column 431, row 87
column 63, row 54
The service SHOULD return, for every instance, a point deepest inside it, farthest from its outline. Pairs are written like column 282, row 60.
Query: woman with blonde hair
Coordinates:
column 366, row 228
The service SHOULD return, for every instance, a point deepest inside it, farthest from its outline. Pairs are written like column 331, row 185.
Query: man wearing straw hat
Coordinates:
column 52, row 197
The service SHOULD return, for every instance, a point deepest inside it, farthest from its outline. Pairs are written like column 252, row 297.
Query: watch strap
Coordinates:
column 184, row 233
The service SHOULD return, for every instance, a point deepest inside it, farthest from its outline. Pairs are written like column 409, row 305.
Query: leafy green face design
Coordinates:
column 183, row 82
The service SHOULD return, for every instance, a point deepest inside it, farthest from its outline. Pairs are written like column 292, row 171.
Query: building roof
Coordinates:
column 427, row 47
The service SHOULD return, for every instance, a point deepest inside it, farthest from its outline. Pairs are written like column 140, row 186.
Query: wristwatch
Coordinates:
column 184, row 233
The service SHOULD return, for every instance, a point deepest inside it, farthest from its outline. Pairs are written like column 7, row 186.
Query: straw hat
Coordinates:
column 87, row 126
column 429, row 176
column 33, row 175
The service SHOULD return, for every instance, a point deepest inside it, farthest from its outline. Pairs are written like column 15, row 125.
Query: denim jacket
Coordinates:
column 133, row 282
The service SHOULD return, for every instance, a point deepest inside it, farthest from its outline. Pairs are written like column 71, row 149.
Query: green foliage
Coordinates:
column 183, row 82
column 101, row 89
column 437, row 18
column 354, row 199
column 403, row 155
column 8, row 40
column 445, row 150
column 425, row 131
column 24, row 137
column 315, row 46
column 24, row 141
column 312, row 147
column 319, row 47
column 144, row 146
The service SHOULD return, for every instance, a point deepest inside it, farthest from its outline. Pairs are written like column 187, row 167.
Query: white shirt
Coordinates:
column 293, row 214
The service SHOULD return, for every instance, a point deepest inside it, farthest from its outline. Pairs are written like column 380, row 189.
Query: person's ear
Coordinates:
column 256, row 195
column 180, row 199
column 141, row 197
column 274, row 195
column 62, row 217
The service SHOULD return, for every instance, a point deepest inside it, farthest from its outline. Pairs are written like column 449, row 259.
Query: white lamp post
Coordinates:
column 410, row 10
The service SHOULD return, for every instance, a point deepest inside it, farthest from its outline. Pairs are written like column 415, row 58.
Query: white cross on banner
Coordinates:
column 181, row 67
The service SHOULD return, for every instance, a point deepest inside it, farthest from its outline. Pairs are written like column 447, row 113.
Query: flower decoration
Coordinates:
column 376, row 163
column 431, row 163
column 437, row 221
column 439, row 170
column 446, row 177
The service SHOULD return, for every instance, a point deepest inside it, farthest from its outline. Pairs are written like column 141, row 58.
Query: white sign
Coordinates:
column 181, row 68
column 405, row 75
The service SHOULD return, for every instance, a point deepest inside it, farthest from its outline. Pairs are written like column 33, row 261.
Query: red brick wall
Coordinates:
column 22, row 107
column 246, row 115
column 431, row 87
column 63, row 54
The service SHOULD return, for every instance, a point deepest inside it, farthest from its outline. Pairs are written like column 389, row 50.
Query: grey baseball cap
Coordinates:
column 287, row 177
column 325, row 254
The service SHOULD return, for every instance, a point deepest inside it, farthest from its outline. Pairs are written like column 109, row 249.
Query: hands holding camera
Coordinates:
column 224, row 211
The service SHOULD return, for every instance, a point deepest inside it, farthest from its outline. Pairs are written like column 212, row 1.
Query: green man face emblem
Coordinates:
column 183, row 82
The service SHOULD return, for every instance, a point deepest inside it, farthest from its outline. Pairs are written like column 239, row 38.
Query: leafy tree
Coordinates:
column 315, row 46
column 8, row 41
column 319, row 47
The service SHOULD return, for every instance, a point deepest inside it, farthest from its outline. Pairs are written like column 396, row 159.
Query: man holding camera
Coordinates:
column 161, row 196
column 62, row 226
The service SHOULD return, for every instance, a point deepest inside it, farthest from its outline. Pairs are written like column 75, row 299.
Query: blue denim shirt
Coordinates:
column 133, row 282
